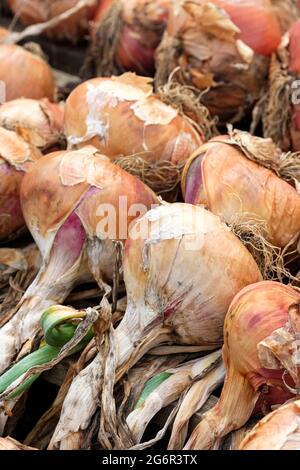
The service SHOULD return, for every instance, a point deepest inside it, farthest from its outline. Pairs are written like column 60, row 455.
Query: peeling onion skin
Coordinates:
column 287, row 12
column 38, row 11
column 222, row 178
column 16, row 157
column 211, row 52
column 19, row 69
column 39, row 121
column 254, row 314
column 279, row 430
column 149, row 128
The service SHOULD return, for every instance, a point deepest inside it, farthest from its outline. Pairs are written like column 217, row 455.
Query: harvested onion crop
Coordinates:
column 261, row 359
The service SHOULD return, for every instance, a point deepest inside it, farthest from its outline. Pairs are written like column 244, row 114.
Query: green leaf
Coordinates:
column 152, row 385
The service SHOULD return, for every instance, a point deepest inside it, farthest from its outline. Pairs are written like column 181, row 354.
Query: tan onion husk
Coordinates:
column 9, row 444
column 20, row 68
column 260, row 356
column 165, row 304
column 227, row 71
column 286, row 12
column 279, row 430
column 61, row 197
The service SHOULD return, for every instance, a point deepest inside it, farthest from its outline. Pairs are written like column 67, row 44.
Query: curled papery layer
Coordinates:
column 16, row 157
column 151, row 133
column 39, row 121
column 19, row 69
column 38, row 11
column 76, row 205
column 284, row 93
column 126, row 35
column 287, row 12
column 222, row 50
column 279, row 430
column 238, row 177
column 261, row 357
column 165, row 302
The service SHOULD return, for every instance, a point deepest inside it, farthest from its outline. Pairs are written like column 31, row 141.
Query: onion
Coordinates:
column 39, row 11
column 260, row 356
column 20, row 69
column 126, row 34
column 284, row 128
column 235, row 177
column 223, row 50
column 279, row 430
column 3, row 33
column 64, row 197
column 154, row 139
column 39, row 121
column 16, row 157
column 165, row 302
column 286, row 12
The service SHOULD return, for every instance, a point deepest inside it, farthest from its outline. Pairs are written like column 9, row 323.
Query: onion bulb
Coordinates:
column 64, row 200
column 16, row 157
column 260, row 355
column 279, row 430
column 39, row 11
column 166, row 303
column 222, row 51
column 238, row 178
column 39, row 121
column 284, row 93
column 154, row 139
column 25, row 74
column 286, row 12
column 126, row 34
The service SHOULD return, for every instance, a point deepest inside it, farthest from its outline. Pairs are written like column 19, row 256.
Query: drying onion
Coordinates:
column 154, row 139
column 284, row 93
column 286, row 12
column 16, row 157
column 39, row 121
column 165, row 302
column 279, row 430
column 63, row 197
column 126, row 34
column 232, row 176
column 260, row 356
column 223, row 52
column 20, row 68
column 39, row 11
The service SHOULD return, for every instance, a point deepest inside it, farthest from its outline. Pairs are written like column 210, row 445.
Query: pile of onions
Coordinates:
column 287, row 12
column 260, row 355
column 279, row 430
column 284, row 93
column 39, row 121
column 154, row 140
column 222, row 49
column 242, row 178
column 165, row 302
column 39, row 11
column 64, row 197
column 20, row 69
column 16, row 157
column 126, row 35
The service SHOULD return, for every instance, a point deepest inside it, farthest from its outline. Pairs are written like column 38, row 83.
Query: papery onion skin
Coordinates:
column 204, row 43
column 38, row 11
column 149, row 129
column 16, row 156
column 238, row 189
column 254, row 314
column 3, row 33
column 19, row 69
column 279, row 430
column 39, row 121
column 287, row 13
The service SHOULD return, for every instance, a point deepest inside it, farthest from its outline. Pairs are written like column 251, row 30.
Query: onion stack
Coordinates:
column 165, row 302
column 261, row 356
column 65, row 200
column 220, row 51
column 154, row 139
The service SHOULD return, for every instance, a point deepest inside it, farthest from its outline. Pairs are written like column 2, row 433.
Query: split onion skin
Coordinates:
column 149, row 128
column 254, row 314
column 222, row 178
column 279, row 430
column 19, row 69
